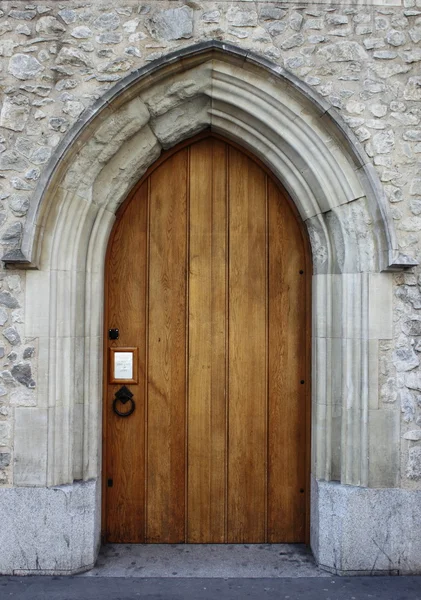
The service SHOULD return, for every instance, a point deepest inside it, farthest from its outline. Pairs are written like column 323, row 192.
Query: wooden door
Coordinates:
column 207, row 276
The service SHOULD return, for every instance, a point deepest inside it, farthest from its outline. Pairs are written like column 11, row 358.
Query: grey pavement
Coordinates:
column 192, row 588
column 208, row 572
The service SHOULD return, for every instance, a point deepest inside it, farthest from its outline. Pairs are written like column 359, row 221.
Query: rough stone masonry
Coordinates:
column 58, row 57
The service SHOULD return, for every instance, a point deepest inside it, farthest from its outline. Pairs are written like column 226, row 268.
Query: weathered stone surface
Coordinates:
column 81, row 32
column 410, row 295
column 172, row 24
column 182, row 121
column 13, row 233
column 24, row 66
column 68, row 15
column 32, row 174
column 413, row 436
column 412, row 135
column 411, row 56
column 378, row 110
column 407, row 405
column 22, row 372
column 383, row 142
column 5, row 28
column 385, row 54
column 395, row 38
column 269, row 12
column 389, row 391
column 28, row 352
column 415, row 34
column 5, row 431
column 66, row 514
column 109, row 37
column 275, row 28
column 23, row 15
column 49, row 25
column 238, row 17
column 412, row 89
column 58, row 124
column 107, row 22
column 6, row 299
column 73, row 56
column 384, row 71
column 413, row 470
column 7, row 378
column 19, row 205
column 296, row 21
column 73, row 108
column 405, row 359
column 20, row 184
column 412, row 326
column 292, row 42
column 3, row 316
column 15, row 112
column 12, row 161
column 12, row 335
column 413, row 380
column 212, row 16
column 334, row 19
column 343, row 52
column 5, row 458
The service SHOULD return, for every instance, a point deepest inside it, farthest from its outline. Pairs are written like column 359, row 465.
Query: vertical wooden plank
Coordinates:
column 287, row 368
column 126, row 311
column 207, row 300
column 247, row 351
column 167, row 351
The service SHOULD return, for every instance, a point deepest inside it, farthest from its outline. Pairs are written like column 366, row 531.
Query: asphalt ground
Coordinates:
column 167, row 588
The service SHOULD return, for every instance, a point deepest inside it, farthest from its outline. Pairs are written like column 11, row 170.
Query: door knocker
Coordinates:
column 123, row 396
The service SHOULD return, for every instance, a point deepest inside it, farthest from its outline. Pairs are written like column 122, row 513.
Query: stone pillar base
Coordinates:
column 354, row 531
column 49, row 531
column 365, row 531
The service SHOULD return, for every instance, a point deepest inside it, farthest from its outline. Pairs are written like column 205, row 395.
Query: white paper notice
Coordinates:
column 123, row 365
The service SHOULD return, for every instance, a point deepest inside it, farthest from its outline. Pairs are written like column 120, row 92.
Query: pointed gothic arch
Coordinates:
column 307, row 146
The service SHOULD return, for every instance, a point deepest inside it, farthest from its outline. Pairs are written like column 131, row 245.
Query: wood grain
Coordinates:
column 287, row 369
column 207, row 321
column 167, row 352
column 209, row 276
column 247, row 351
column 126, row 311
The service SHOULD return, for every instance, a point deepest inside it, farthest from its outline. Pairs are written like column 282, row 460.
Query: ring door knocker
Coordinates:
column 124, row 396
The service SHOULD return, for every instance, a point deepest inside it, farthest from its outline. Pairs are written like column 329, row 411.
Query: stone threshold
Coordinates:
column 206, row 560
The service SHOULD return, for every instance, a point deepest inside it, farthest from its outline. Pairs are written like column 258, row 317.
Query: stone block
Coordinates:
column 164, row 97
column 49, row 530
column 380, row 310
column 365, row 531
column 383, row 448
column 125, row 169
column 30, row 456
column 172, row 24
column 5, row 433
column 37, row 300
column 182, row 122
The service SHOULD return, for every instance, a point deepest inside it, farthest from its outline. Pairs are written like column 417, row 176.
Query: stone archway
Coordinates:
column 337, row 193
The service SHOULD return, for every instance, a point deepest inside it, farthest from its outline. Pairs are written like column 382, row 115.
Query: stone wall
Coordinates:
column 57, row 58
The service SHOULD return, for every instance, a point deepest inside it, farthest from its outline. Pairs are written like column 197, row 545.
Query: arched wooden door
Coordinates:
column 207, row 282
